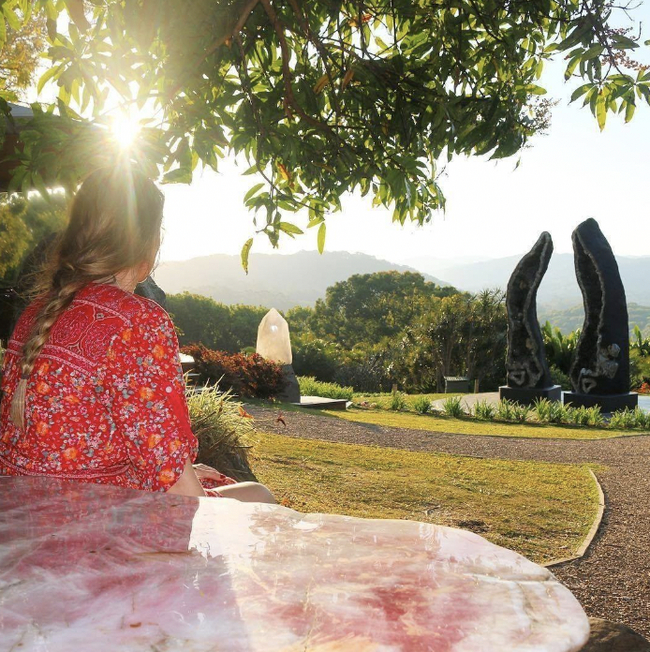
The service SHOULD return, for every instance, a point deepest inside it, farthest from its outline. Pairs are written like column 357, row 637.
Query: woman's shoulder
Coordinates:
column 135, row 309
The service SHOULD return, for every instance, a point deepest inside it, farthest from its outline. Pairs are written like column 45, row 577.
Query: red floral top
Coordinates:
column 106, row 399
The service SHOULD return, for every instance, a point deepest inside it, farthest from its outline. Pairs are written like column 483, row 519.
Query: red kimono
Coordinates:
column 106, row 399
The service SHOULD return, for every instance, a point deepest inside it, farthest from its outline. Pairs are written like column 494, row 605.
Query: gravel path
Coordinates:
column 612, row 580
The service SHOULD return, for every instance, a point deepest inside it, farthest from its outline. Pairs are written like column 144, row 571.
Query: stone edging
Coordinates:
column 592, row 531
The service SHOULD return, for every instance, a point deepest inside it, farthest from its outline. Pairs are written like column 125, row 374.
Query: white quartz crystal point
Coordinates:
column 273, row 341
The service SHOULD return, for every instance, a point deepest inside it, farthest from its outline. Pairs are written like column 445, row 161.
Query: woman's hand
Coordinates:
column 188, row 484
column 207, row 472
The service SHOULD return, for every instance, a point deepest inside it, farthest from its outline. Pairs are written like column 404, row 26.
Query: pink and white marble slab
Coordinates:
column 90, row 568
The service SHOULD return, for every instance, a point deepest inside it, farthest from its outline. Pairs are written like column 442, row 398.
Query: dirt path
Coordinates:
column 612, row 580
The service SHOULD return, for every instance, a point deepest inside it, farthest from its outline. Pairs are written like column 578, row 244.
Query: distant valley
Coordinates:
column 284, row 281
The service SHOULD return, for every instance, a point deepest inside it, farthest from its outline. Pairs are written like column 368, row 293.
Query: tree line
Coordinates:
column 371, row 331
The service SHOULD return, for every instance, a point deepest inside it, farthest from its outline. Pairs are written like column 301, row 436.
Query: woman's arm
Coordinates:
column 188, row 484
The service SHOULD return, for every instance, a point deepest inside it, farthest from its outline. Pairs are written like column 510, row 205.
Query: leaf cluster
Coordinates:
column 321, row 98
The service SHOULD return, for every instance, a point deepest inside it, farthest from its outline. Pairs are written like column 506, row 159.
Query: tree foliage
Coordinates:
column 462, row 335
column 204, row 321
column 21, row 43
column 367, row 308
column 24, row 223
column 321, row 98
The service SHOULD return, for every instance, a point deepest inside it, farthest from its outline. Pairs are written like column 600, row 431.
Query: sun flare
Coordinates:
column 125, row 129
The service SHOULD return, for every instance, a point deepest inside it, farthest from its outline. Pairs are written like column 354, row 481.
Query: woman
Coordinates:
column 92, row 385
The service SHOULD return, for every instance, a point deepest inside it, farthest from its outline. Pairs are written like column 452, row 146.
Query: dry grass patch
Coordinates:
column 538, row 509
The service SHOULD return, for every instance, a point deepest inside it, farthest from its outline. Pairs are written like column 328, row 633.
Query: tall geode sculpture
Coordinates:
column 600, row 372
column 274, row 343
column 528, row 376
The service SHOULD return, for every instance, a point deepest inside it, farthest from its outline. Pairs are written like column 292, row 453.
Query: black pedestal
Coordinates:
column 528, row 396
column 607, row 402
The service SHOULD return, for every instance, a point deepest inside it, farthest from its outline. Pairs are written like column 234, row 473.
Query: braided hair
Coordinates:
column 114, row 225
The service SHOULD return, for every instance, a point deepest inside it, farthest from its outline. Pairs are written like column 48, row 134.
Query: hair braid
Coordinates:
column 114, row 225
column 58, row 300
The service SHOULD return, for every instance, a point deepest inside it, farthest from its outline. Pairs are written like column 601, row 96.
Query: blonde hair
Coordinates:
column 115, row 221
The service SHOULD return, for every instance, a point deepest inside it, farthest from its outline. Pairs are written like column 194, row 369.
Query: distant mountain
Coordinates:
column 559, row 289
column 279, row 281
column 569, row 319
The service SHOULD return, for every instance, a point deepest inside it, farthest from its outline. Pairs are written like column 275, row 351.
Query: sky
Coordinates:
column 493, row 210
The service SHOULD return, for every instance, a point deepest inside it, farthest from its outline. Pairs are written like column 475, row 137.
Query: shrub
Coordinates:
column 624, row 419
column 315, row 357
column 644, row 388
column 422, row 405
column 398, row 402
column 521, row 412
column 558, row 377
column 225, row 437
column 542, row 408
column 453, row 407
column 246, row 375
column 550, row 411
column 627, row 418
column 505, row 410
column 309, row 386
column 578, row 416
column 484, row 410
column 366, row 375
column 595, row 416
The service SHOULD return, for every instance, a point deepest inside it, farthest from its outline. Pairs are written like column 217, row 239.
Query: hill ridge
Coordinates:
column 279, row 281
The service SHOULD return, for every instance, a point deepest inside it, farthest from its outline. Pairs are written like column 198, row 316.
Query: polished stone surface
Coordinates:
column 96, row 568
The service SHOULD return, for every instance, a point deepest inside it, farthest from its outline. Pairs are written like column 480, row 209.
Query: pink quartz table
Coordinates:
column 90, row 568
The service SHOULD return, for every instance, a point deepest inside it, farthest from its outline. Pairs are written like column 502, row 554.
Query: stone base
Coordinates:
column 528, row 395
column 320, row 403
column 291, row 393
column 607, row 402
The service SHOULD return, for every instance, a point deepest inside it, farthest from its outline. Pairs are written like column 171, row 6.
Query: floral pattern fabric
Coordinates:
column 106, row 398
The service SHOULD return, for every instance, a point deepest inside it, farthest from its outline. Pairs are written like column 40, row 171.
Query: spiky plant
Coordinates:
column 224, row 430
column 422, row 405
column 484, row 410
column 453, row 407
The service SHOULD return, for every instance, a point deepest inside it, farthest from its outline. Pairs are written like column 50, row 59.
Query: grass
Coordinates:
column 538, row 509
column 309, row 386
column 384, row 401
column 477, row 427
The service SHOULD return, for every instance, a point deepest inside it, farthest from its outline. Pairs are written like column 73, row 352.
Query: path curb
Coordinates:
column 592, row 531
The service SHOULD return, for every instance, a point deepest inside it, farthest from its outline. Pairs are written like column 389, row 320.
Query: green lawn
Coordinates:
column 540, row 510
column 468, row 426
column 383, row 401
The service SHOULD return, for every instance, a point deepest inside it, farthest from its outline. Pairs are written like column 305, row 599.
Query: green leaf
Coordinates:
column 179, row 175
column 573, row 64
column 601, row 111
column 622, row 42
column 593, row 52
column 581, row 90
column 245, row 251
column 534, row 89
column 290, row 229
column 320, row 239
column 256, row 188
column 3, row 31
column 13, row 20
column 629, row 111
column 50, row 73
